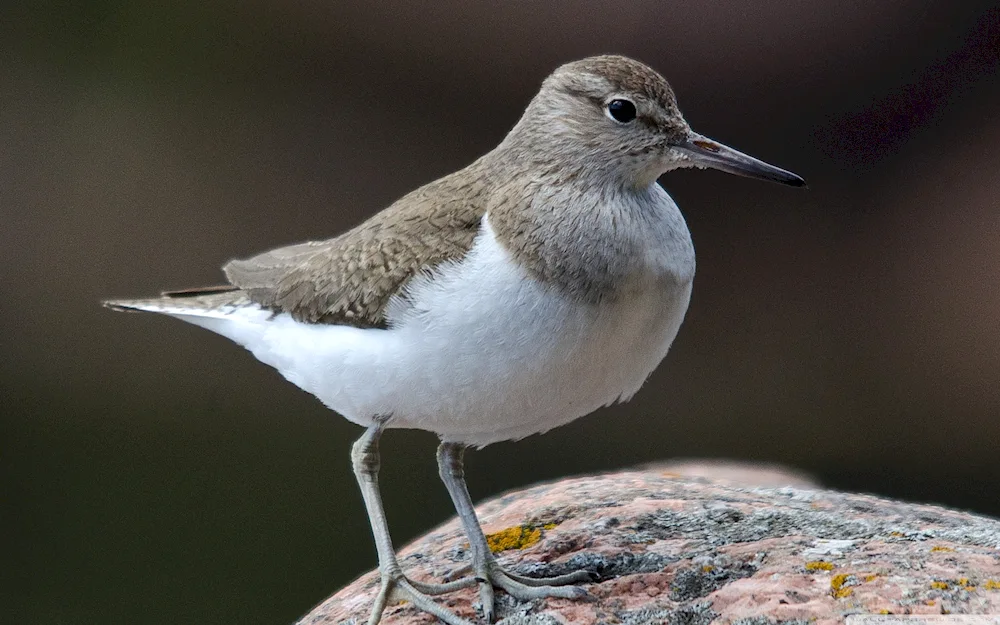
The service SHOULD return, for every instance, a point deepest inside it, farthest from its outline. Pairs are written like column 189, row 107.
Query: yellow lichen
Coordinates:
column 938, row 585
column 837, row 587
column 549, row 526
column 991, row 584
column 819, row 565
column 939, row 548
column 897, row 534
column 708, row 568
column 517, row 537
column 884, row 611
column 871, row 577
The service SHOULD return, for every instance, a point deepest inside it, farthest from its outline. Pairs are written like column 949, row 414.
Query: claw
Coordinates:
column 582, row 594
column 487, row 601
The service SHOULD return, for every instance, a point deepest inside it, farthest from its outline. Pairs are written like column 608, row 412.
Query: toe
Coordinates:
column 486, row 600
column 575, row 577
column 397, row 587
column 525, row 592
column 440, row 589
column 455, row 574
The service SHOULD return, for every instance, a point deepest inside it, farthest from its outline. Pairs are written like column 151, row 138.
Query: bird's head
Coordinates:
column 618, row 117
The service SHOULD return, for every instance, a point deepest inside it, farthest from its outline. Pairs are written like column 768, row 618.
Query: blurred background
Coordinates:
column 153, row 472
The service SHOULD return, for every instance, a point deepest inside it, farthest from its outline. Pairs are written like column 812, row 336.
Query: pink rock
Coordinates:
column 746, row 473
column 685, row 550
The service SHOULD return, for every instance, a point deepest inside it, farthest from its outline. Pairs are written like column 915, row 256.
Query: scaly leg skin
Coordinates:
column 395, row 586
column 485, row 569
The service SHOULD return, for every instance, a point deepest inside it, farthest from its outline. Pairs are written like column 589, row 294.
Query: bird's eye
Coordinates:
column 621, row 111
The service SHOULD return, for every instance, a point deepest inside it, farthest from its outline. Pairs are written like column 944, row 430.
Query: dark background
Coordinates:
column 155, row 473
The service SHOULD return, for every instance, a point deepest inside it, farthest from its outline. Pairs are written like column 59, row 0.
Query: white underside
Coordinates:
column 477, row 353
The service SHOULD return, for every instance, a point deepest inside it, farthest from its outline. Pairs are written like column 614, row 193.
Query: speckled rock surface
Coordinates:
column 686, row 550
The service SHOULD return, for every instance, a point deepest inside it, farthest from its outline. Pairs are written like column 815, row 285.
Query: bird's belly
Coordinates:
column 524, row 369
column 481, row 352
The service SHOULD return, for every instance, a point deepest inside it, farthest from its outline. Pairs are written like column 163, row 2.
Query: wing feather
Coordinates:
column 350, row 279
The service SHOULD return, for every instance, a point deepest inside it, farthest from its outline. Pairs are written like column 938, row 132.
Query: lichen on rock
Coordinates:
column 516, row 537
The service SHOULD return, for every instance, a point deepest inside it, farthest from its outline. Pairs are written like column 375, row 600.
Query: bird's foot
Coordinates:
column 490, row 575
column 397, row 587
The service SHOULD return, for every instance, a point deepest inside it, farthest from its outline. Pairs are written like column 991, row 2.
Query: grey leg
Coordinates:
column 485, row 569
column 395, row 586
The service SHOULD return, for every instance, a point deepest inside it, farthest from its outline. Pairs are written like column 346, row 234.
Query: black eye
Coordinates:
column 621, row 111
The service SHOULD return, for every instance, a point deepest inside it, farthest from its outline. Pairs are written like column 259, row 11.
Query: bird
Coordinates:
column 543, row 281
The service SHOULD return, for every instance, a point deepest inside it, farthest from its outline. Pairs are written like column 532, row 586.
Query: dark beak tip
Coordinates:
column 796, row 181
column 707, row 153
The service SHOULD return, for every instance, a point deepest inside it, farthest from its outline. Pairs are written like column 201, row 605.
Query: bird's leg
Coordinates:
column 485, row 569
column 395, row 586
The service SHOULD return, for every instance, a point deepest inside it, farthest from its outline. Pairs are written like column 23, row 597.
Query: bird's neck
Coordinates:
column 561, row 159
column 567, row 226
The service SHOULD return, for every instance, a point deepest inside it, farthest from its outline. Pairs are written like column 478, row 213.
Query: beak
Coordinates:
column 704, row 152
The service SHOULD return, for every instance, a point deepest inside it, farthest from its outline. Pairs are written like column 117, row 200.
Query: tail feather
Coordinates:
column 204, row 290
column 228, row 312
column 208, row 302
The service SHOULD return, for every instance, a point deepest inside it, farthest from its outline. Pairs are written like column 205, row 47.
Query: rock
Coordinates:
column 693, row 550
column 745, row 473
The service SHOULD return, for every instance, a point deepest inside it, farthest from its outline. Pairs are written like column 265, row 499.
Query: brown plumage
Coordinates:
column 351, row 278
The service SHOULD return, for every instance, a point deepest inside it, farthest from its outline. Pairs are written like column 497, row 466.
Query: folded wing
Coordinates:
column 350, row 279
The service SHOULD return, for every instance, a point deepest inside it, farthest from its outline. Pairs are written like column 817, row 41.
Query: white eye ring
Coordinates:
column 620, row 110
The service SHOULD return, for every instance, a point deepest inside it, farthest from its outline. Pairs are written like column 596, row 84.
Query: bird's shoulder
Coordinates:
column 350, row 279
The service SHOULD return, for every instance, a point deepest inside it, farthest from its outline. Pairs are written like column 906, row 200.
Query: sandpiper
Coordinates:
column 545, row 280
